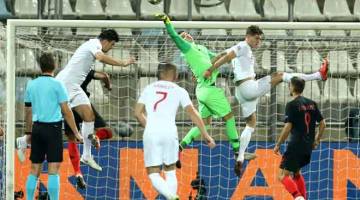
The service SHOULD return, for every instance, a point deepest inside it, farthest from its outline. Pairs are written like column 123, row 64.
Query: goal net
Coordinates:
column 292, row 47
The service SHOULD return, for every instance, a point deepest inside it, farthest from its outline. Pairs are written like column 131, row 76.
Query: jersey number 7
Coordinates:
column 163, row 97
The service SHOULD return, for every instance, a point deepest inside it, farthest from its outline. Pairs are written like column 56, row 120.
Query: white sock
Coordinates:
column 160, row 185
column 171, row 181
column 307, row 77
column 244, row 142
column 87, row 128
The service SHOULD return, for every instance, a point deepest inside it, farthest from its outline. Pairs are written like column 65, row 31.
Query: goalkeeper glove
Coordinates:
column 164, row 18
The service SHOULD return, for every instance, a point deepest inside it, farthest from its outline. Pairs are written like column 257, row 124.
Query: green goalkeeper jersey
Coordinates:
column 197, row 56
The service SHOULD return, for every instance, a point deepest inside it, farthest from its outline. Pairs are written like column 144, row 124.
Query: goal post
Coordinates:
column 279, row 52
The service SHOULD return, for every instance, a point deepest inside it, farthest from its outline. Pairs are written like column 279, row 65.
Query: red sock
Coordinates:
column 291, row 186
column 104, row 133
column 300, row 182
column 74, row 157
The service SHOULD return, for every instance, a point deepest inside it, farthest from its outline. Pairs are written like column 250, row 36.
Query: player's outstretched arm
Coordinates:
column 104, row 77
column 222, row 59
column 69, row 118
column 112, row 61
column 283, row 136
column 195, row 117
column 318, row 136
column 182, row 44
column 139, row 114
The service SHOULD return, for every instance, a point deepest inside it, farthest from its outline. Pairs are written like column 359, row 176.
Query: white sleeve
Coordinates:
column 184, row 98
column 143, row 96
column 238, row 50
column 95, row 47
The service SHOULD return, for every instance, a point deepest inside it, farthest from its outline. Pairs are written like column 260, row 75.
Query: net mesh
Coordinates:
column 124, row 176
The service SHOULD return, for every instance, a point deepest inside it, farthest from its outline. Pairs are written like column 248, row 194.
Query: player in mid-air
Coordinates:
column 160, row 100
column 212, row 99
column 301, row 115
column 248, row 90
column 73, row 75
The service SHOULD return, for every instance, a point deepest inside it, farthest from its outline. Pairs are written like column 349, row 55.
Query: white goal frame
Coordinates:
column 12, row 24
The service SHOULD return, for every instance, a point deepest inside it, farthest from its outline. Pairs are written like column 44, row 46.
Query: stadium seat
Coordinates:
column 357, row 89
column 2, row 62
column 26, row 61
column 276, row 10
column 67, row 11
column 26, row 8
column 336, row 33
column 307, row 61
column 4, row 13
column 89, row 9
column 149, row 10
column 213, row 32
column 142, row 83
column 310, row 33
column 340, row 63
column 281, row 63
column 243, row 10
column 336, row 90
column 269, row 32
column 282, row 93
column 307, row 10
column 148, row 60
column 357, row 9
column 119, row 9
column 215, row 12
column 312, row 91
column 179, row 10
column 238, row 32
column 335, row 10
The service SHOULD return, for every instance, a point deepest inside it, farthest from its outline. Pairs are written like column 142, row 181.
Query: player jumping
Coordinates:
column 75, row 73
column 212, row 99
column 248, row 90
column 301, row 115
column 161, row 100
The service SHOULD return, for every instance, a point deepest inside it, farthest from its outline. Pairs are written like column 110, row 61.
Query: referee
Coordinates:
column 46, row 102
column 301, row 115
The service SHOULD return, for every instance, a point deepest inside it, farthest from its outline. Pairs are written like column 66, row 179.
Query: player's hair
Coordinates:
column 254, row 30
column 298, row 84
column 164, row 68
column 109, row 34
column 47, row 62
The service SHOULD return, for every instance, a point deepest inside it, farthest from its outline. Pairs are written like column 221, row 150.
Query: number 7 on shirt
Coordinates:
column 163, row 97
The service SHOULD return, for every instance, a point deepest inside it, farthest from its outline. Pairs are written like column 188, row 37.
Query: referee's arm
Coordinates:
column 28, row 118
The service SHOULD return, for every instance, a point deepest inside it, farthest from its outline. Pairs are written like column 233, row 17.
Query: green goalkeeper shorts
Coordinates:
column 212, row 102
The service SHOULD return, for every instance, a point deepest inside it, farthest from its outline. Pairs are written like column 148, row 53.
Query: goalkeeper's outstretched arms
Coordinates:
column 181, row 43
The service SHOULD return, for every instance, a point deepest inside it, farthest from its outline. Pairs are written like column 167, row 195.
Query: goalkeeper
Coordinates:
column 212, row 100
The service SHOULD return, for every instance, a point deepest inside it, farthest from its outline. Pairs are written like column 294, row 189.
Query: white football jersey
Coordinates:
column 162, row 100
column 80, row 63
column 244, row 61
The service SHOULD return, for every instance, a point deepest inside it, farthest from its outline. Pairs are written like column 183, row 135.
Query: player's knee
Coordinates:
column 280, row 176
column 251, row 120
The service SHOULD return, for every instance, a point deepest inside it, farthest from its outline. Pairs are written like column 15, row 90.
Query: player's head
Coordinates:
column 47, row 63
column 296, row 86
column 186, row 36
column 254, row 36
column 167, row 71
column 108, row 38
